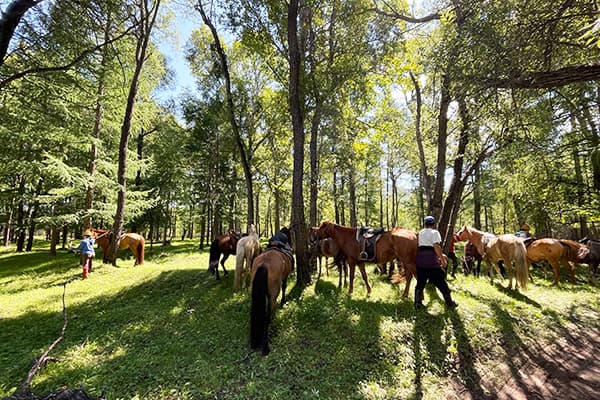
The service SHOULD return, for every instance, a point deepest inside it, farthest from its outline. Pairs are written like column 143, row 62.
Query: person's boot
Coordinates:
column 85, row 271
column 419, row 299
column 448, row 299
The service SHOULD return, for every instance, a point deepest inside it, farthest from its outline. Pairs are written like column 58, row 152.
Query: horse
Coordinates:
column 134, row 241
column 471, row 257
column 507, row 247
column 398, row 244
column 225, row 245
column 593, row 257
column 247, row 248
column 328, row 248
column 556, row 252
column 270, row 271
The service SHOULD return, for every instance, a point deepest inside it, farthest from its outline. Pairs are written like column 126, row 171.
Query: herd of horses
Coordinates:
column 269, row 269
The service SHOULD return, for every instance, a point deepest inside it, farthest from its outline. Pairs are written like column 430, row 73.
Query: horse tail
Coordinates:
column 239, row 266
column 214, row 252
column 141, row 249
column 521, row 265
column 260, row 310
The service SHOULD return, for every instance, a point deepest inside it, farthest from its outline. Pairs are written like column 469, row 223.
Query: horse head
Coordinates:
column 325, row 230
column 463, row 234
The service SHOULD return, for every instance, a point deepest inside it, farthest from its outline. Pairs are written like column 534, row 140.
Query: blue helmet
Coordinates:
column 429, row 220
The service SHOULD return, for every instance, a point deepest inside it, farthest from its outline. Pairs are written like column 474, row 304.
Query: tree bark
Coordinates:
column 298, row 228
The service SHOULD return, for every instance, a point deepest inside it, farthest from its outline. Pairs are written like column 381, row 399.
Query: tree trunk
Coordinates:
column 477, row 199
column 425, row 178
column 245, row 155
column 298, row 228
column 147, row 19
column 9, row 21
column 435, row 208
column 352, row 199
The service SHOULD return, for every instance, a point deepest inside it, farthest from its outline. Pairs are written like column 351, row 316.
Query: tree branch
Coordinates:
column 64, row 67
column 545, row 79
column 10, row 20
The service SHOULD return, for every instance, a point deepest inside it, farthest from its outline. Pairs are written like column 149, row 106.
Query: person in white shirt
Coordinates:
column 430, row 264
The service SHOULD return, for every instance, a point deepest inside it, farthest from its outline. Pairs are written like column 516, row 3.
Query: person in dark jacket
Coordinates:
column 431, row 263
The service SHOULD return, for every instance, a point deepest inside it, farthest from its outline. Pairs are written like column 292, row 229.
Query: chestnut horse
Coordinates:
column 270, row 271
column 556, row 252
column 508, row 248
column 247, row 248
column 398, row 244
column 134, row 241
column 225, row 245
column 328, row 248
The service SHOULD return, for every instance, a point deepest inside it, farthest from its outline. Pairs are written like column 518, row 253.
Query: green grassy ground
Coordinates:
column 168, row 330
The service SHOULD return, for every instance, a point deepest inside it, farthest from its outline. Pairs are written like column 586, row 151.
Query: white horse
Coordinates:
column 248, row 247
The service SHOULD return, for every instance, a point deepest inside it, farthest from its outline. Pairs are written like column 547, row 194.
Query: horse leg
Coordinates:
column 225, row 273
column 572, row 271
column 283, row 287
column 556, row 271
column 363, row 273
column 352, row 270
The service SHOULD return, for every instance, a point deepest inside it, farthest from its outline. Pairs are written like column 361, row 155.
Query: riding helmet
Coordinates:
column 429, row 220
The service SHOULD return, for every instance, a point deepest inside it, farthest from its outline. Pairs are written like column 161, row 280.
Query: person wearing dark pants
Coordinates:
column 430, row 264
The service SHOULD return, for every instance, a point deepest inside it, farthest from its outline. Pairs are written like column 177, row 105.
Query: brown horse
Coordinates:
column 398, row 244
column 270, row 271
column 508, row 248
column 556, row 252
column 134, row 241
column 225, row 245
column 328, row 248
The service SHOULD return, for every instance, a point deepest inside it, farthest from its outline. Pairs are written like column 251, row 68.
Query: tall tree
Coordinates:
column 146, row 14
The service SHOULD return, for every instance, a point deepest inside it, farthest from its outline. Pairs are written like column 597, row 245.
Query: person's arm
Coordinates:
column 438, row 252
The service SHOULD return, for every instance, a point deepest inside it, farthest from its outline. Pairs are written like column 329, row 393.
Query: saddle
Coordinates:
column 367, row 238
column 283, row 248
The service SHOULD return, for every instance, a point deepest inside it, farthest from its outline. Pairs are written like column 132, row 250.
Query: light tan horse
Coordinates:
column 270, row 271
column 400, row 244
column 556, row 252
column 508, row 248
column 135, row 242
column 247, row 248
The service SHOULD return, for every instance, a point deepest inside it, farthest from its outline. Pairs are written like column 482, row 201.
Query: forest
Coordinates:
column 366, row 113
column 369, row 113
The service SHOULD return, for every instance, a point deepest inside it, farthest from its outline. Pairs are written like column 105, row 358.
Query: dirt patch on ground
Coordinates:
column 568, row 369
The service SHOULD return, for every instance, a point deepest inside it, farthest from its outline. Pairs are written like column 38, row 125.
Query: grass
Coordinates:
column 168, row 330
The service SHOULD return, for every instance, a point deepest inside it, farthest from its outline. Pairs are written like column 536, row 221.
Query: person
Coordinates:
column 452, row 255
column 524, row 232
column 431, row 263
column 86, row 247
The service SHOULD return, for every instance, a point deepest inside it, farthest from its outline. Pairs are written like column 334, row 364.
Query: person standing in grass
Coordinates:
column 431, row 263
column 86, row 247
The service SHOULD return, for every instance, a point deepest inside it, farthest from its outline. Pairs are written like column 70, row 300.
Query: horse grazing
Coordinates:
column 225, row 245
column 270, row 271
column 556, row 252
column 134, row 241
column 247, row 248
column 508, row 248
column 328, row 248
column 398, row 244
